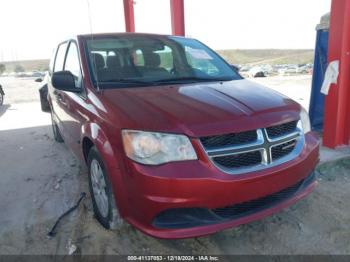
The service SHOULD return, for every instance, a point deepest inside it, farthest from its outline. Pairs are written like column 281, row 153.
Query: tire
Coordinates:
column 55, row 130
column 1, row 99
column 103, row 201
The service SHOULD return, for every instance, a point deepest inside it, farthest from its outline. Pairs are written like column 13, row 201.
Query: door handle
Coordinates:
column 61, row 99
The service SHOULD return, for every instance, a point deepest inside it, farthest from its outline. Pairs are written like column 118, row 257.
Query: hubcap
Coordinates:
column 99, row 187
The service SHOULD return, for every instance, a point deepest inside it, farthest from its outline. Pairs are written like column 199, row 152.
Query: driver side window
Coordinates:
column 73, row 65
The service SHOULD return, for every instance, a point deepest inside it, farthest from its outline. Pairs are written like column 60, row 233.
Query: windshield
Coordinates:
column 127, row 60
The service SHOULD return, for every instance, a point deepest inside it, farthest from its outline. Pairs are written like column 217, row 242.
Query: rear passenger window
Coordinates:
column 59, row 61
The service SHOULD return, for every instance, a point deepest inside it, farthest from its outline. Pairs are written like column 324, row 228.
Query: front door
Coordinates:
column 56, row 95
column 73, row 103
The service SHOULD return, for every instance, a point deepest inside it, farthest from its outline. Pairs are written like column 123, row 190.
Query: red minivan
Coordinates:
column 176, row 142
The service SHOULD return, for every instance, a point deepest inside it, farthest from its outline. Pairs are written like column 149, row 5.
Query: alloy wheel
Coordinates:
column 99, row 187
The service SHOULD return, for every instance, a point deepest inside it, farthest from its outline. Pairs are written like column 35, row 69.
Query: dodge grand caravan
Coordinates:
column 175, row 141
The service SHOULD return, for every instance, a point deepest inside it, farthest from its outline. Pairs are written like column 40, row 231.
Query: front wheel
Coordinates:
column 1, row 99
column 103, row 201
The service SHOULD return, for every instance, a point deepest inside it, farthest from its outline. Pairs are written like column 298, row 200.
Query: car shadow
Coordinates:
column 4, row 108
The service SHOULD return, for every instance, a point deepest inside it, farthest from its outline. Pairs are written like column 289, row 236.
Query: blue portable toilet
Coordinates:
column 316, row 109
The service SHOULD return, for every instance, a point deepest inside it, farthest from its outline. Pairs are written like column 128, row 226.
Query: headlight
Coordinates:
column 305, row 121
column 157, row 148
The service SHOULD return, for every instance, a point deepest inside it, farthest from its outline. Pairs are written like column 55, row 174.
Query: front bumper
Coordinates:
column 158, row 194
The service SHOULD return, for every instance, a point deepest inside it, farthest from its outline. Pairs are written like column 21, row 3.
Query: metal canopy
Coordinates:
column 177, row 16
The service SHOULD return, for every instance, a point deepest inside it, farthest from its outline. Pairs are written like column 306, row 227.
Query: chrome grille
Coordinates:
column 239, row 153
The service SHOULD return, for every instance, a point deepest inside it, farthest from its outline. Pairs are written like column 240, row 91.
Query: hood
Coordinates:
column 201, row 109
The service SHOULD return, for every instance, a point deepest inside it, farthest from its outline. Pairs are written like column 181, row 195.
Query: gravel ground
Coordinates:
column 41, row 179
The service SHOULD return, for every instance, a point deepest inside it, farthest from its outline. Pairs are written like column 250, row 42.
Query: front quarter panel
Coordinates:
column 103, row 129
column 112, row 159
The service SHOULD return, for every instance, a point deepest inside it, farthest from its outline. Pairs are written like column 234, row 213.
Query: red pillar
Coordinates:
column 337, row 103
column 177, row 17
column 129, row 15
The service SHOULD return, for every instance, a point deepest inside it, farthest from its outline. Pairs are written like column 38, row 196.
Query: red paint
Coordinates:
column 196, row 110
column 337, row 103
column 208, row 111
column 206, row 230
column 177, row 17
column 196, row 183
column 129, row 16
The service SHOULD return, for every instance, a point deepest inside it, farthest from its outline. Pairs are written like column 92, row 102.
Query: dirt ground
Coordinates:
column 41, row 179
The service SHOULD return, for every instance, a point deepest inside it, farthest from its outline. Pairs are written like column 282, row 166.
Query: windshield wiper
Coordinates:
column 191, row 79
column 126, row 81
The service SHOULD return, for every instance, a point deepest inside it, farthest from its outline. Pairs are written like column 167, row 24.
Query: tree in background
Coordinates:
column 2, row 68
column 19, row 69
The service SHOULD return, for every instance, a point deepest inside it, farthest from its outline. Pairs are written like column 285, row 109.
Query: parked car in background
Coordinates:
column 257, row 71
column 304, row 69
column 2, row 95
column 175, row 141
column 295, row 69
column 37, row 74
column 244, row 68
column 266, row 69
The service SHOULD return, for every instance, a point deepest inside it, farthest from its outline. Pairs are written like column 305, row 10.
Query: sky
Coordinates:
column 30, row 29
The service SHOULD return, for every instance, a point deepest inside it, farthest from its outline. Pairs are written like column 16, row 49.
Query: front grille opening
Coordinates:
column 239, row 160
column 283, row 149
column 282, row 130
column 246, row 208
column 194, row 216
column 211, row 142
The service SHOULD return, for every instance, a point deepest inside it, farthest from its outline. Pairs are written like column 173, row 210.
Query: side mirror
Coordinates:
column 64, row 80
column 39, row 80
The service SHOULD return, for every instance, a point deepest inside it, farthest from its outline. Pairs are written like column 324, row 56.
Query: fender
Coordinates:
column 111, row 161
column 95, row 133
